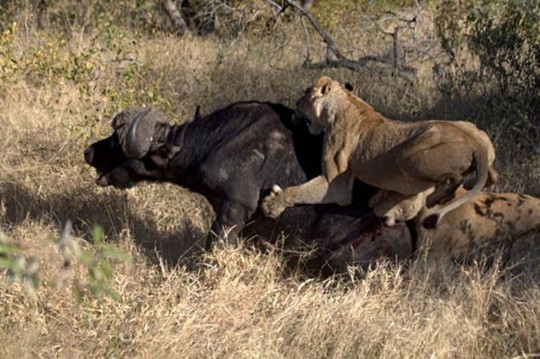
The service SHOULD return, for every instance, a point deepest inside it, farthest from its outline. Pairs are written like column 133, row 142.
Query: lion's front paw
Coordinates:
column 276, row 190
column 273, row 204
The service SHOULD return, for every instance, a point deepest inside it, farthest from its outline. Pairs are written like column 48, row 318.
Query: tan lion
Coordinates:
column 408, row 158
column 488, row 219
column 395, row 207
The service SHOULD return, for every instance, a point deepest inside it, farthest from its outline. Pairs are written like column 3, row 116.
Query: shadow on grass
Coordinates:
column 114, row 212
column 111, row 210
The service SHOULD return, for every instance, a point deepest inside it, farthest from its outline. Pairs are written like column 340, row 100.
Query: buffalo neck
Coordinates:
column 193, row 142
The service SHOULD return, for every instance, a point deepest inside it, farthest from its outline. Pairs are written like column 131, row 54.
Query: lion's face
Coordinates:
column 315, row 105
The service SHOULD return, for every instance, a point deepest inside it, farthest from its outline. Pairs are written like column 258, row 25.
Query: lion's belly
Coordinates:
column 375, row 159
column 382, row 172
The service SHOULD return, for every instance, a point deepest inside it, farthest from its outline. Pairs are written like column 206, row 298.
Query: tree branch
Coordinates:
column 341, row 60
column 326, row 38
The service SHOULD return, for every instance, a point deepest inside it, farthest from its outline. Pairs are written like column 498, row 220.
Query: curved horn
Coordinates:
column 138, row 142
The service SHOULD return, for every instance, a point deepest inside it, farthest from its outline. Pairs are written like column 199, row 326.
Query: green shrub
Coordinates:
column 331, row 12
column 75, row 16
column 98, row 259
column 493, row 50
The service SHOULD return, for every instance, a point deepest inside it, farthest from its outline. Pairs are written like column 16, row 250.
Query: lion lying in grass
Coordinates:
column 407, row 158
column 488, row 219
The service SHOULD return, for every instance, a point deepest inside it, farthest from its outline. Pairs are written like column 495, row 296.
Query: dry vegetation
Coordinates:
column 59, row 87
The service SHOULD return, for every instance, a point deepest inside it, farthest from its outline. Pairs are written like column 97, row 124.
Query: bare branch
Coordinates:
column 308, row 42
column 401, row 18
column 395, row 43
column 334, row 57
column 274, row 4
column 406, row 72
column 326, row 38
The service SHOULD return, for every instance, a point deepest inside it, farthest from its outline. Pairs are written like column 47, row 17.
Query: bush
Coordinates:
column 232, row 18
column 98, row 260
column 493, row 50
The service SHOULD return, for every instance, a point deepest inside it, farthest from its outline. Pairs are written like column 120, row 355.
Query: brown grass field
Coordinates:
column 59, row 88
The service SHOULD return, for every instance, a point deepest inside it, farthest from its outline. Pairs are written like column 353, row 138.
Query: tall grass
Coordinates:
column 239, row 305
column 60, row 88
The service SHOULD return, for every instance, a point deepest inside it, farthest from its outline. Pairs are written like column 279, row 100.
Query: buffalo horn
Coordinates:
column 138, row 142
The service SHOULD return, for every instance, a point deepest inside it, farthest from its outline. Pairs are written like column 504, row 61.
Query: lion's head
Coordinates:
column 320, row 102
column 317, row 105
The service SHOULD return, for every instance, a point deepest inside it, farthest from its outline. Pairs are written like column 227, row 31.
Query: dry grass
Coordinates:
column 236, row 302
column 238, row 305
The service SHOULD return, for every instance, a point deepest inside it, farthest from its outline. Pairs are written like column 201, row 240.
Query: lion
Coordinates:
column 395, row 207
column 488, row 220
column 407, row 158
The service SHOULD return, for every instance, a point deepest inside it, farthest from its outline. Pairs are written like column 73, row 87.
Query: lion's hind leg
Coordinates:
column 435, row 165
column 394, row 207
column 444, row 191
column 435, row 157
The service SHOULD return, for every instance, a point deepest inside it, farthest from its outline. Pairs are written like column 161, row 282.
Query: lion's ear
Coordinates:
column 324, row 84
column 349, row 87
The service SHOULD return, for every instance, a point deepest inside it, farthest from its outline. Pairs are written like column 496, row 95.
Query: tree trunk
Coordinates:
column 175, row 15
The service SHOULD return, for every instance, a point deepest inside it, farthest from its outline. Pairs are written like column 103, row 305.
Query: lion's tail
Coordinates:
column 481, row 161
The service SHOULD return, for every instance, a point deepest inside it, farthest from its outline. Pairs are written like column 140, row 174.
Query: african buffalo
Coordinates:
column 233, row 157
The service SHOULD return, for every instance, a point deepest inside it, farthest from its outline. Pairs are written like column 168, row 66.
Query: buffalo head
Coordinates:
column 135, row 150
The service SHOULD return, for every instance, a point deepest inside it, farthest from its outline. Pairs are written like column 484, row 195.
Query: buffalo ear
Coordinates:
column 165, row 154
column 198, row 115
column 139, row 136
column 324, row 84
column 121, row 119
column 159, row 160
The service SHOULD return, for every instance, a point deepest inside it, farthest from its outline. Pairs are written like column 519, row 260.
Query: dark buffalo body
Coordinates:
column 233, row 157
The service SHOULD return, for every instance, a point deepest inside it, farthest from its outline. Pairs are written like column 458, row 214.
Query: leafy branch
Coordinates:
column 98, row 261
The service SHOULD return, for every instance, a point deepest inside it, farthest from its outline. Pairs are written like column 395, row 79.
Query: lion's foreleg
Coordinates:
column 317, row 191
column 311, row 192
column 340, row 190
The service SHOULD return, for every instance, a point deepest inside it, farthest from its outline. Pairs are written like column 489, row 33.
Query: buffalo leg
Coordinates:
column 230, row 219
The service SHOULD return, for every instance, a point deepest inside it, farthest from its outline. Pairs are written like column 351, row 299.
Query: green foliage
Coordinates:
column 232, row 19
column 8, row 65
column 72, row 15
column 493, row 50
column 45, row 62
column 104, row 70
column 98, row 260
column 331, row 12
column 19, row 268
